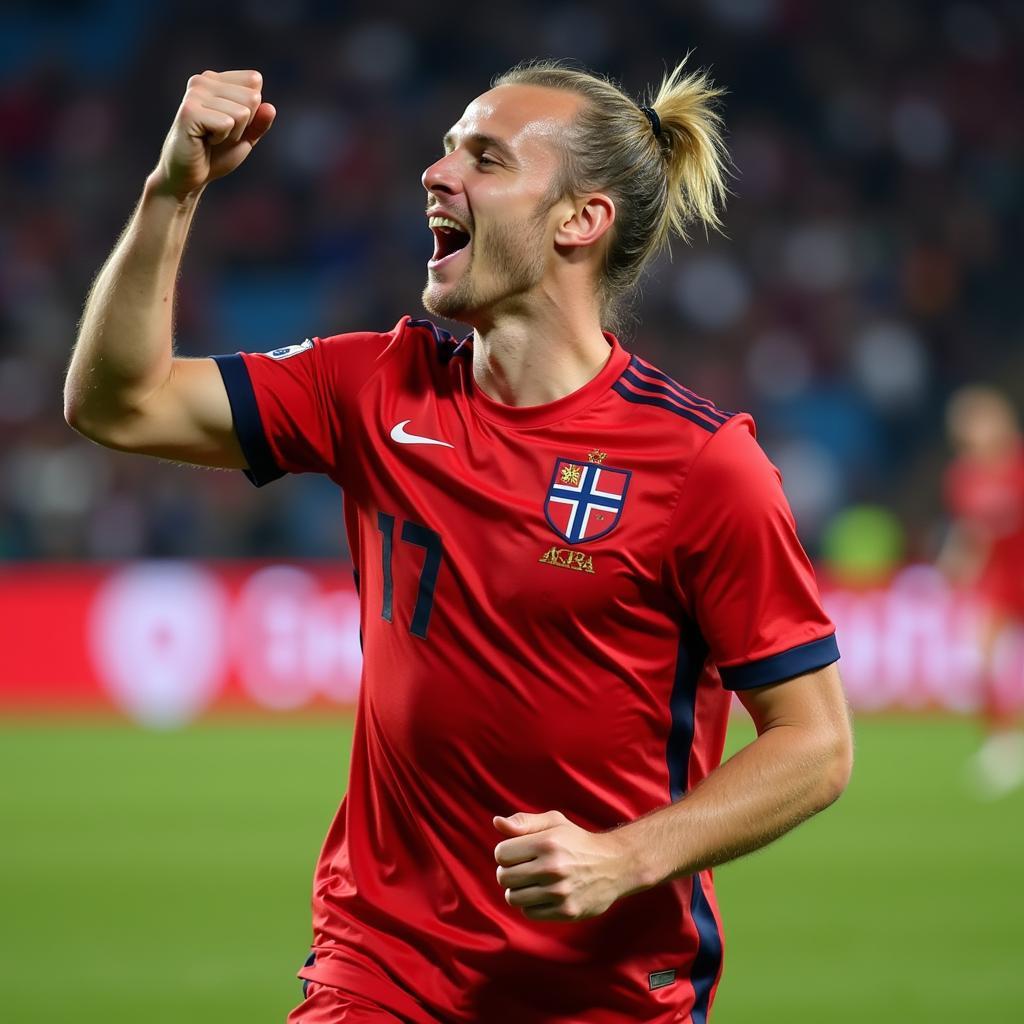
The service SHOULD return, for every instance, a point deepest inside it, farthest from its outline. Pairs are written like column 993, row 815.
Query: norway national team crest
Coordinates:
column 585, row 500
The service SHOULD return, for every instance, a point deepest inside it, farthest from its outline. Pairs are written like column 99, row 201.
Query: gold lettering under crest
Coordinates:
column 566, row 558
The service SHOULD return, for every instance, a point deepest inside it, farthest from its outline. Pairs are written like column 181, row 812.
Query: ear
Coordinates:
column 587, row 222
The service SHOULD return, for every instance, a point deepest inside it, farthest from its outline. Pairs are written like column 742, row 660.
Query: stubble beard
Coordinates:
column 516, row 254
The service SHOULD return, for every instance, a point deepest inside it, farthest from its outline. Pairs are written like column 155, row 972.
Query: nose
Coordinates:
column 440, row 176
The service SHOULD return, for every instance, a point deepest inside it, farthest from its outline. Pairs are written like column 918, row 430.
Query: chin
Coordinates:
column 447, row 303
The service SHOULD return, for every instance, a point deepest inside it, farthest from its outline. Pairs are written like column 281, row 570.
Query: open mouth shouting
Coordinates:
column 450, row 238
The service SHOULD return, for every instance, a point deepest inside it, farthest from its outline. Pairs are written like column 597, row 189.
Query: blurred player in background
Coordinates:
column 984, row 550
column 566, row 562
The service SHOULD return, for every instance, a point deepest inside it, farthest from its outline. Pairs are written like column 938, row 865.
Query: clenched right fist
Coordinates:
column 221, row 117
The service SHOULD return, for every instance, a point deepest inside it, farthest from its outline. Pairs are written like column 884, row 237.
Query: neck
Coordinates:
column 533, row 357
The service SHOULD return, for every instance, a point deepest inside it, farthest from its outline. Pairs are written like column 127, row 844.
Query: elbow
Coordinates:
column 838, row 763
column 86, row 421
column 73, row 412
column 104, row 417
column 76, row 415
column 75, row 404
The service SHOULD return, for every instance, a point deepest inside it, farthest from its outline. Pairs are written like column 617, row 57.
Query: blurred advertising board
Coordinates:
column 166, row 642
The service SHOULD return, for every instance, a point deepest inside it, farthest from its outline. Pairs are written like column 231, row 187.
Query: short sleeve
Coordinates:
column 741, row 569
column 289, row 406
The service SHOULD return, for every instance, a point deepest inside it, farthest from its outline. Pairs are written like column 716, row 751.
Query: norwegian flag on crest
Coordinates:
column 585, row 500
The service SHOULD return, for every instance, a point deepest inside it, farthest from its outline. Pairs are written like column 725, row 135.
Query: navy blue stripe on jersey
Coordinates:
column 355, row 580
column 652, row 387
column 707, row 963
column 784, row 665
column 638, row 368
column 690, row 658
column 446, row 344
column 246, row 416
column 647, row 370
column 310, row 962
column 647, row 398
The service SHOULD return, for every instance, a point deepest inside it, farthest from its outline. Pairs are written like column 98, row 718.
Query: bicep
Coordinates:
column 187, row 419
column 807, row 718
column 812, row 700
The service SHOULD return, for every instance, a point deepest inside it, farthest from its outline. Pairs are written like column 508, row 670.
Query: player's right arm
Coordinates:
column 125, row 388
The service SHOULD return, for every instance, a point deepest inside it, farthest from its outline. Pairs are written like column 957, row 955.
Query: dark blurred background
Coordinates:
column 870, row 265
column 871, row 268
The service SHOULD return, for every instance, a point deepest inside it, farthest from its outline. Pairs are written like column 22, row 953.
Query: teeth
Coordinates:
column 446, row 222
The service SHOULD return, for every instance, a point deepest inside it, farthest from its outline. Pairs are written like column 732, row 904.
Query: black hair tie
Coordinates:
column 652, row 116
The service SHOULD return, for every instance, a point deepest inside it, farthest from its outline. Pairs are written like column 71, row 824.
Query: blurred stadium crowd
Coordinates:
column 870, row 266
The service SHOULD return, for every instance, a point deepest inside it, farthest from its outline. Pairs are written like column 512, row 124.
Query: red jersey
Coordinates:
column 988, row 500
column 555, row 603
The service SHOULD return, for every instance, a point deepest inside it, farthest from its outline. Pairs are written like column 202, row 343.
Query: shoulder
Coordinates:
column 371, row 344
column 722, row 462
column 643, row 384
column 682, row 421
column 412, row 345
column 412, row 339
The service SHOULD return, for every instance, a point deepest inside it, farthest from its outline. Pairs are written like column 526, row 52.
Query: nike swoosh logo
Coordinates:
column 399, row 434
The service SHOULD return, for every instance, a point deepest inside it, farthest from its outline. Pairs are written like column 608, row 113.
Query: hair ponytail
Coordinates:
column 664, row 172
column 691, row 137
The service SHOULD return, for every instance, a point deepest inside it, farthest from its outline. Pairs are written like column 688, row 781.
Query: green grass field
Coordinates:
column 165, row 877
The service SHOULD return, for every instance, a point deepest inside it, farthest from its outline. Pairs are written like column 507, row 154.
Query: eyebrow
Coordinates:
column 483, row 141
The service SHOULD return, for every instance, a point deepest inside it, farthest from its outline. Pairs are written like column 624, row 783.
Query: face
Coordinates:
column 495, row 192
column 983, row 425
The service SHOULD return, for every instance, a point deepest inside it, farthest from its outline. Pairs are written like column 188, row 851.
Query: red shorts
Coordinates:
column 325, row 1004
column 346, row 985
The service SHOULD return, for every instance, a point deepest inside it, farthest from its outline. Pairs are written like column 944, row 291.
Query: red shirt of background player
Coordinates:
column 552, row 598
column 986, row 497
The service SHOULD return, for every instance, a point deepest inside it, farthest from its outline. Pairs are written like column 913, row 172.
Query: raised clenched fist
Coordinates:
column 221, row 117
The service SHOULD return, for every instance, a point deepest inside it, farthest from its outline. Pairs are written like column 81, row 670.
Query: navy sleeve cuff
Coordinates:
column 784, row 665
column 248, row 426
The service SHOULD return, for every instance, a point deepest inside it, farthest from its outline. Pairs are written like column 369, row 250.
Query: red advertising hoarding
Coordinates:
column 165, row 642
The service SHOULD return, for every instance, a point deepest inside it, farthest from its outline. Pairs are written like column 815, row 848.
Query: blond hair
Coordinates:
column 660, row 183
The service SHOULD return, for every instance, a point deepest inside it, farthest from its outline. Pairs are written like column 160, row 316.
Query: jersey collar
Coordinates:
column 551, row 412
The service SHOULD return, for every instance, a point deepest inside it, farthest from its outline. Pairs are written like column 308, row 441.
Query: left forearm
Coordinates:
column 786, row 775
column 554, row 870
